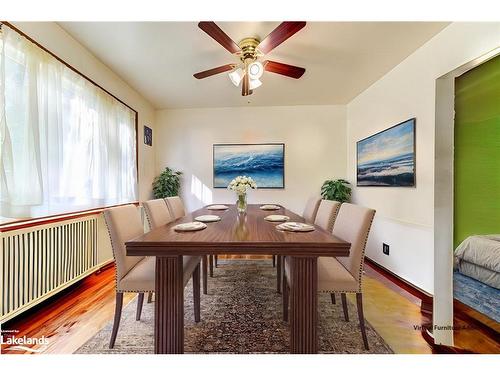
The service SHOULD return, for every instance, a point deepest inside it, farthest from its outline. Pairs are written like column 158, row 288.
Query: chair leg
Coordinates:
column 333, row 298
column 286, row 294
column 274, row 261
column 211, row 264
column 344, row 306
column 140, row 302
column 150, row 297
column 216, row 258
column 196, row 293
column 361, row 316
column 118, row 315
column 204, row 264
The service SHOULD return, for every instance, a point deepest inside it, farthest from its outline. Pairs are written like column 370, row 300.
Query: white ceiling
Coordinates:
column 341, row 59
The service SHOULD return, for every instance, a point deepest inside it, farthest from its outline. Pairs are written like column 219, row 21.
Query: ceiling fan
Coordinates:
column 249, row 50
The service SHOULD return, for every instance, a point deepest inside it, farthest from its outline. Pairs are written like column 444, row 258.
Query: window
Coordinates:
column 66, row 145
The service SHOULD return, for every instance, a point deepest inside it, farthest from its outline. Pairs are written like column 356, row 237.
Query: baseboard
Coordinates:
column 425, row 298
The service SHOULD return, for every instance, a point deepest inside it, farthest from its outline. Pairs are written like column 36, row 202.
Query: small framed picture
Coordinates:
column 148, row 136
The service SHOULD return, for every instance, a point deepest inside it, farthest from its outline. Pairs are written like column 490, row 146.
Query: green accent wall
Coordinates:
column 477, row 151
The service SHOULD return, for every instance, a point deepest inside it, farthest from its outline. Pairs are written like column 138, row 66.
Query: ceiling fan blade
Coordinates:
column 211, row 72
column 220, row 36
column 245, row 85
column 284, row 31
column 283, row 69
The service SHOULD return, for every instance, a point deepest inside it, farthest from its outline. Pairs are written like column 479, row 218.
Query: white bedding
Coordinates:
column 479, row 257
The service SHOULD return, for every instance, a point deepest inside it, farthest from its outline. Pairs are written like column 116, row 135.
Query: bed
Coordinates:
column 479, row 258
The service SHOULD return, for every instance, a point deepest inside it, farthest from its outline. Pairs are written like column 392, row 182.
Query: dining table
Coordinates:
column 236, row 234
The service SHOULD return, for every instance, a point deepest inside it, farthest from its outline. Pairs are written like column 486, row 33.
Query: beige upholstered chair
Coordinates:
column 309, row 214
column 342, row 274
column 137, row 274
column 327, row 213
column 177, row 210
column 311, row 209
column 176, row 207
column 158, row 214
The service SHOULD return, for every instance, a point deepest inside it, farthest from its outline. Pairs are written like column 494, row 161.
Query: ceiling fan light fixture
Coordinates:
column 255, row 70
column 254, row 83
column 236, row 76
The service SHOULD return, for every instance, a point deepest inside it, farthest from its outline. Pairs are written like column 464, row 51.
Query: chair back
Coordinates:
column 157, row 212
column 311, row 209
column 176, row 207
column 124, row 223
column 353, row 225
column 327, row 213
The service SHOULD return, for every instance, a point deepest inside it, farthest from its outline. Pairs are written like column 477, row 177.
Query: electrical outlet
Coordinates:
column 385, row 248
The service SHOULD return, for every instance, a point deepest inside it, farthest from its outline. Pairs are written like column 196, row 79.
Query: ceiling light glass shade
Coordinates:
column 254, row 83
column 255, row 70
column 236, row 76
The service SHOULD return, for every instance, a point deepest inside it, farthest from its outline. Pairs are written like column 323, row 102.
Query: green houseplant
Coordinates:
column 167, row 184
column 336, row 190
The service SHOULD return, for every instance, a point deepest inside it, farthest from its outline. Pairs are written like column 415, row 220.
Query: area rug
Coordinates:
column 477, row 295
column 241, row 314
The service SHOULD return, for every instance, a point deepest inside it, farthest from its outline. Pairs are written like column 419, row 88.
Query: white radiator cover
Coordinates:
column 39, row 261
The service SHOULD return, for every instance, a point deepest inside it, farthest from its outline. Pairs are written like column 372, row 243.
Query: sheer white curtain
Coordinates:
column 66, row 145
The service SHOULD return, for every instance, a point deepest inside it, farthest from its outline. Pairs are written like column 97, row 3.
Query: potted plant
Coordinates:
column 336, row 190
column 167, row 184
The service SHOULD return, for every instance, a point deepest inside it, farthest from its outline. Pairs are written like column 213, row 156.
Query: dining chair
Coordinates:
column 326, row 214
column 342, row 274
column 311, row 209
column 309, row 214
column 177, row 210
column 158, row 214
column 176, row 207
column 136, row 274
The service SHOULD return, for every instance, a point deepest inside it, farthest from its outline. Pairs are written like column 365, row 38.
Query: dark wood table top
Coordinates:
column 237, row 234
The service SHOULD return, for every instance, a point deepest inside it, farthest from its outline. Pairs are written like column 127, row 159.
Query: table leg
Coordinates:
column 304, row 305
column 169, row 306
column 278, row 273
column 204, row 263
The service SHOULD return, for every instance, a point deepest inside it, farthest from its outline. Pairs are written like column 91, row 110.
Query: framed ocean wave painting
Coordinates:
column 265, row 163
column 388, row 158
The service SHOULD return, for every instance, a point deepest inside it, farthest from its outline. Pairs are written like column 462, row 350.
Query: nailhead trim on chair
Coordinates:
column 334, row 218
column 147, row 217
column 361, row 266
column 116, row 268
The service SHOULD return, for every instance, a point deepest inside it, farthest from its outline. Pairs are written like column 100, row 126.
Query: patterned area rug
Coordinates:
column 477, row 295
column 241, row 314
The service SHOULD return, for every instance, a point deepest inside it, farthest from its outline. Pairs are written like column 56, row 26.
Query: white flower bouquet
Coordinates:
column 240, row 185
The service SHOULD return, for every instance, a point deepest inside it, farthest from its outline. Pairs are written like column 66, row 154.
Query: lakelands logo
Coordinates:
column 24, row 343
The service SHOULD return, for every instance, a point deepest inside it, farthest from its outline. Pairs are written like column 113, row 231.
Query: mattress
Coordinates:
column 479, row 257
column 479, row 273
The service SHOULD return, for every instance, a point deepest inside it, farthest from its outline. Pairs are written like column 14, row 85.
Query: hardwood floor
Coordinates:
column 69, row 319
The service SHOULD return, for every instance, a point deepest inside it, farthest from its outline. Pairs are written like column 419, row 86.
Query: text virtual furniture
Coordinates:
column 236, row 234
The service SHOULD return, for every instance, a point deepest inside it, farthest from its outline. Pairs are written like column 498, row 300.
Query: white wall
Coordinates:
column 314, row 137
column 58, row 41
column 405, row 216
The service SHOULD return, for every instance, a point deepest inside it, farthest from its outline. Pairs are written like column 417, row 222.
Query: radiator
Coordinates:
column 37, row 262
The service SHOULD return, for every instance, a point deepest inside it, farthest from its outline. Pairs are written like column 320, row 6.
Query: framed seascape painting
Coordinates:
column 265, row 163
column 388, row 158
